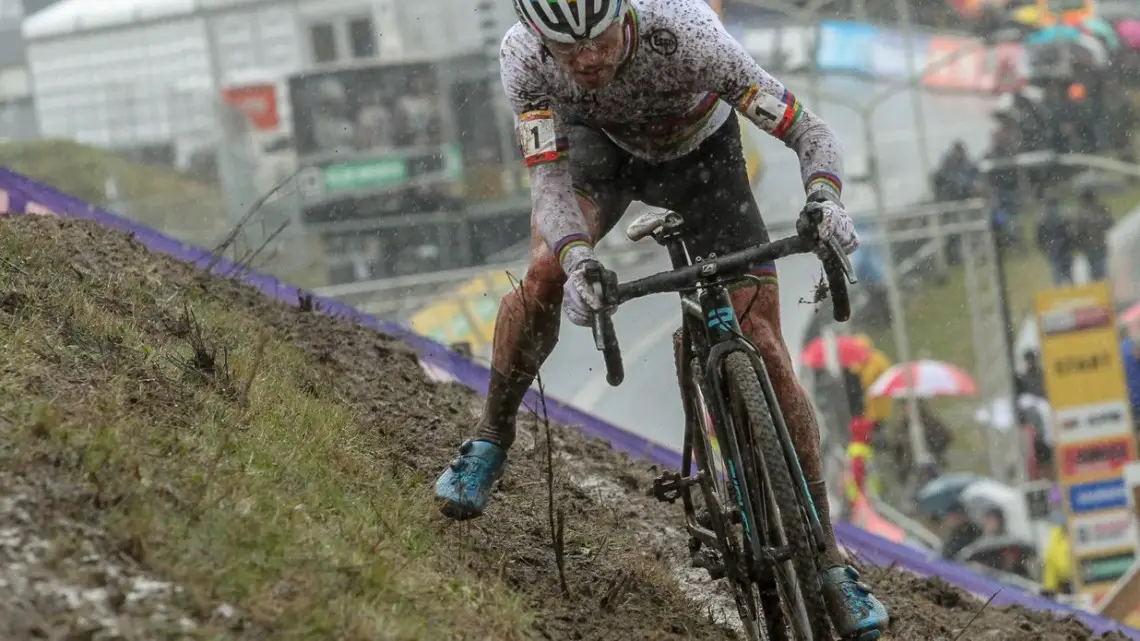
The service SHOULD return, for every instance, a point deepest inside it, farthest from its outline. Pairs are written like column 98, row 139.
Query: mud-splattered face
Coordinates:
column 592, row 63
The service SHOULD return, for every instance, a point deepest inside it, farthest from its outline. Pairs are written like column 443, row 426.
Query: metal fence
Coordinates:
column 948, row 252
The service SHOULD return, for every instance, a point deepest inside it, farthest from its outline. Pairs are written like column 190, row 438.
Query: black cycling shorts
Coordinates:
column 708, row 187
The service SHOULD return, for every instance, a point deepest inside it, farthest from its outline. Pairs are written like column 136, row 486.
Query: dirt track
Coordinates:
column 620, row 561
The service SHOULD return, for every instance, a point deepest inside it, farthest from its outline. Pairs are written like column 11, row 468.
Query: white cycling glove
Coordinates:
column 834, row 223
column 578, row 299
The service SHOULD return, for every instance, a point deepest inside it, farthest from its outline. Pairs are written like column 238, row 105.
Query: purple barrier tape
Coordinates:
column 879, row 551
column 19, row 194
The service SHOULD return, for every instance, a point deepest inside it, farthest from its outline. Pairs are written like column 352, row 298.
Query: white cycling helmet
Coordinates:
column 569, row 21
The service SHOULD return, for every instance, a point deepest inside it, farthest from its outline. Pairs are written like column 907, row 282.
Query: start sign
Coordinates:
column 1084, row 379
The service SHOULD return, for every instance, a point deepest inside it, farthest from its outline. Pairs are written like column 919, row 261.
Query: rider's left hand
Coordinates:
column 834, row 223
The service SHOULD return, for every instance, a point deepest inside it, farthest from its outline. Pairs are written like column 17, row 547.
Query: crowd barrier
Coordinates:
column 20, row 195
column 880, row 52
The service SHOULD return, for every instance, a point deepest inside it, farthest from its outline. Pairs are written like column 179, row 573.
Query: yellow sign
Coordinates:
column 466, row 315
column 1084, row 379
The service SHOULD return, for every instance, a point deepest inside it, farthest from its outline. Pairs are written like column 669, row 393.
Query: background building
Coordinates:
column 17, row 113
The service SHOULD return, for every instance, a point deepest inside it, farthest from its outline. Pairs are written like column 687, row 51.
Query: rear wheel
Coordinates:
column 781, row 523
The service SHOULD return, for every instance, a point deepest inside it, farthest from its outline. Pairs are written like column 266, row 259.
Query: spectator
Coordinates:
column 1120, row 120
column 1030, row 120
column 1063, row 113
column 1034, row 415
column 1094, row 221
column 1057, row 565
column 938, row 436
column 957, row 176
column 960, row 531
column 1055, row 240
column 1004, row 182
column 878, row 409
column 994, row 523
column 1032, row 381
column 860, row 478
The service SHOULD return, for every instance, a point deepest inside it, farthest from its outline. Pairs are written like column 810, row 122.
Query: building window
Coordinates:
column 322, row 39
column 362, row 38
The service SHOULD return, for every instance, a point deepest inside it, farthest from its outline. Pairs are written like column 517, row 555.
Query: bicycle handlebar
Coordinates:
column 734, row 266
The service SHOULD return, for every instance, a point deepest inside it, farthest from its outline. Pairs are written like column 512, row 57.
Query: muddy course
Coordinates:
column 183, row 458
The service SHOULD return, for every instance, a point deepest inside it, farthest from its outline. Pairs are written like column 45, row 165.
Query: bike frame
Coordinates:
column 719, row 334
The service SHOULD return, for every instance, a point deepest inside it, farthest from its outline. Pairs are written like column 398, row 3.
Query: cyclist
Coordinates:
column 622, row 100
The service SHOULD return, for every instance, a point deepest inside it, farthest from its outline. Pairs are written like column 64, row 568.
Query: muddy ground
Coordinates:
column 633, row 587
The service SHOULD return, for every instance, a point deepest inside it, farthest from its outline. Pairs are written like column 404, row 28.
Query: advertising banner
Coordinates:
column 258, row 101
column 846, row 47
column 1084, row 379
column 889, row 55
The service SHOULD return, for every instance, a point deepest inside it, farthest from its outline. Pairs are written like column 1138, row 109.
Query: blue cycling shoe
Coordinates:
column 856, row 614
column 465, row 485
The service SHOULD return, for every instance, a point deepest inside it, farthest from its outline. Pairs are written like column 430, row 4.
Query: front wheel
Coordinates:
column 780, row 520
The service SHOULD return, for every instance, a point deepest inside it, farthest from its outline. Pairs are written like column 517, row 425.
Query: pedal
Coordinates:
column 709, row 560
column 667, row 487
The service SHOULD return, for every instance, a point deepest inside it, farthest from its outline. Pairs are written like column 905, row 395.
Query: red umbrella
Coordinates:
column 852, row 352
column 1129, row 32
column 927, row 378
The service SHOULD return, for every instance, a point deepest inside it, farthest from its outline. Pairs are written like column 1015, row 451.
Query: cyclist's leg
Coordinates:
column 710, row 189
column 526, row 329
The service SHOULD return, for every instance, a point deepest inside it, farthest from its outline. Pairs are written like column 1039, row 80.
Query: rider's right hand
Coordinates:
column 579, row 299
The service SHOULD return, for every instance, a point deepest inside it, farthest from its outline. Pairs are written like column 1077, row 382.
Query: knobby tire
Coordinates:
column 776, row 503
column 716, row 493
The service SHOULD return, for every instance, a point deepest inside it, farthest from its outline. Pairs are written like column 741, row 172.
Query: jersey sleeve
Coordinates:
column 542, row 137
column 739, row 80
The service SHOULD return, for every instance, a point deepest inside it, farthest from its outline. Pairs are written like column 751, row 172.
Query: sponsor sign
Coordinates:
column 1089, row 422
column 1095, row 457
column 1097, row 495
column 1098, row 533
column 258, row 102
column 1105, row 569
column 1084, row 380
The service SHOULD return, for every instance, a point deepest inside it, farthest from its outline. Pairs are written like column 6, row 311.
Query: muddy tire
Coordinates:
column 775, row 503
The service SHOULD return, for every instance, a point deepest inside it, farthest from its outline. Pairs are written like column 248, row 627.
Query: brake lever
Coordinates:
column 603, row 282
column 844, row 261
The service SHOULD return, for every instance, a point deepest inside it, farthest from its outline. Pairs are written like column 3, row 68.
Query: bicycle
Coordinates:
column 758, row 527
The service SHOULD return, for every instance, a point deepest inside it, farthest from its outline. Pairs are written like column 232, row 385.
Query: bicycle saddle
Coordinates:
column 653, row 223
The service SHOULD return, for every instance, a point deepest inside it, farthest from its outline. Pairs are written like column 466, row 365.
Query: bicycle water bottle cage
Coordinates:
column 662, row 225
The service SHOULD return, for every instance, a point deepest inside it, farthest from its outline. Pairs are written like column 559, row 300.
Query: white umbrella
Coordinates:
column 987, row 492
column 925, row 379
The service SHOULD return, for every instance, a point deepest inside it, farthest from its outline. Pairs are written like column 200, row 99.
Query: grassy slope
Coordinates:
column 160, row 197
column 278, row 461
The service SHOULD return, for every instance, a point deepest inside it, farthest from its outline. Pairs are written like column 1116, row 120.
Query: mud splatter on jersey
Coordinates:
column 682, row 76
